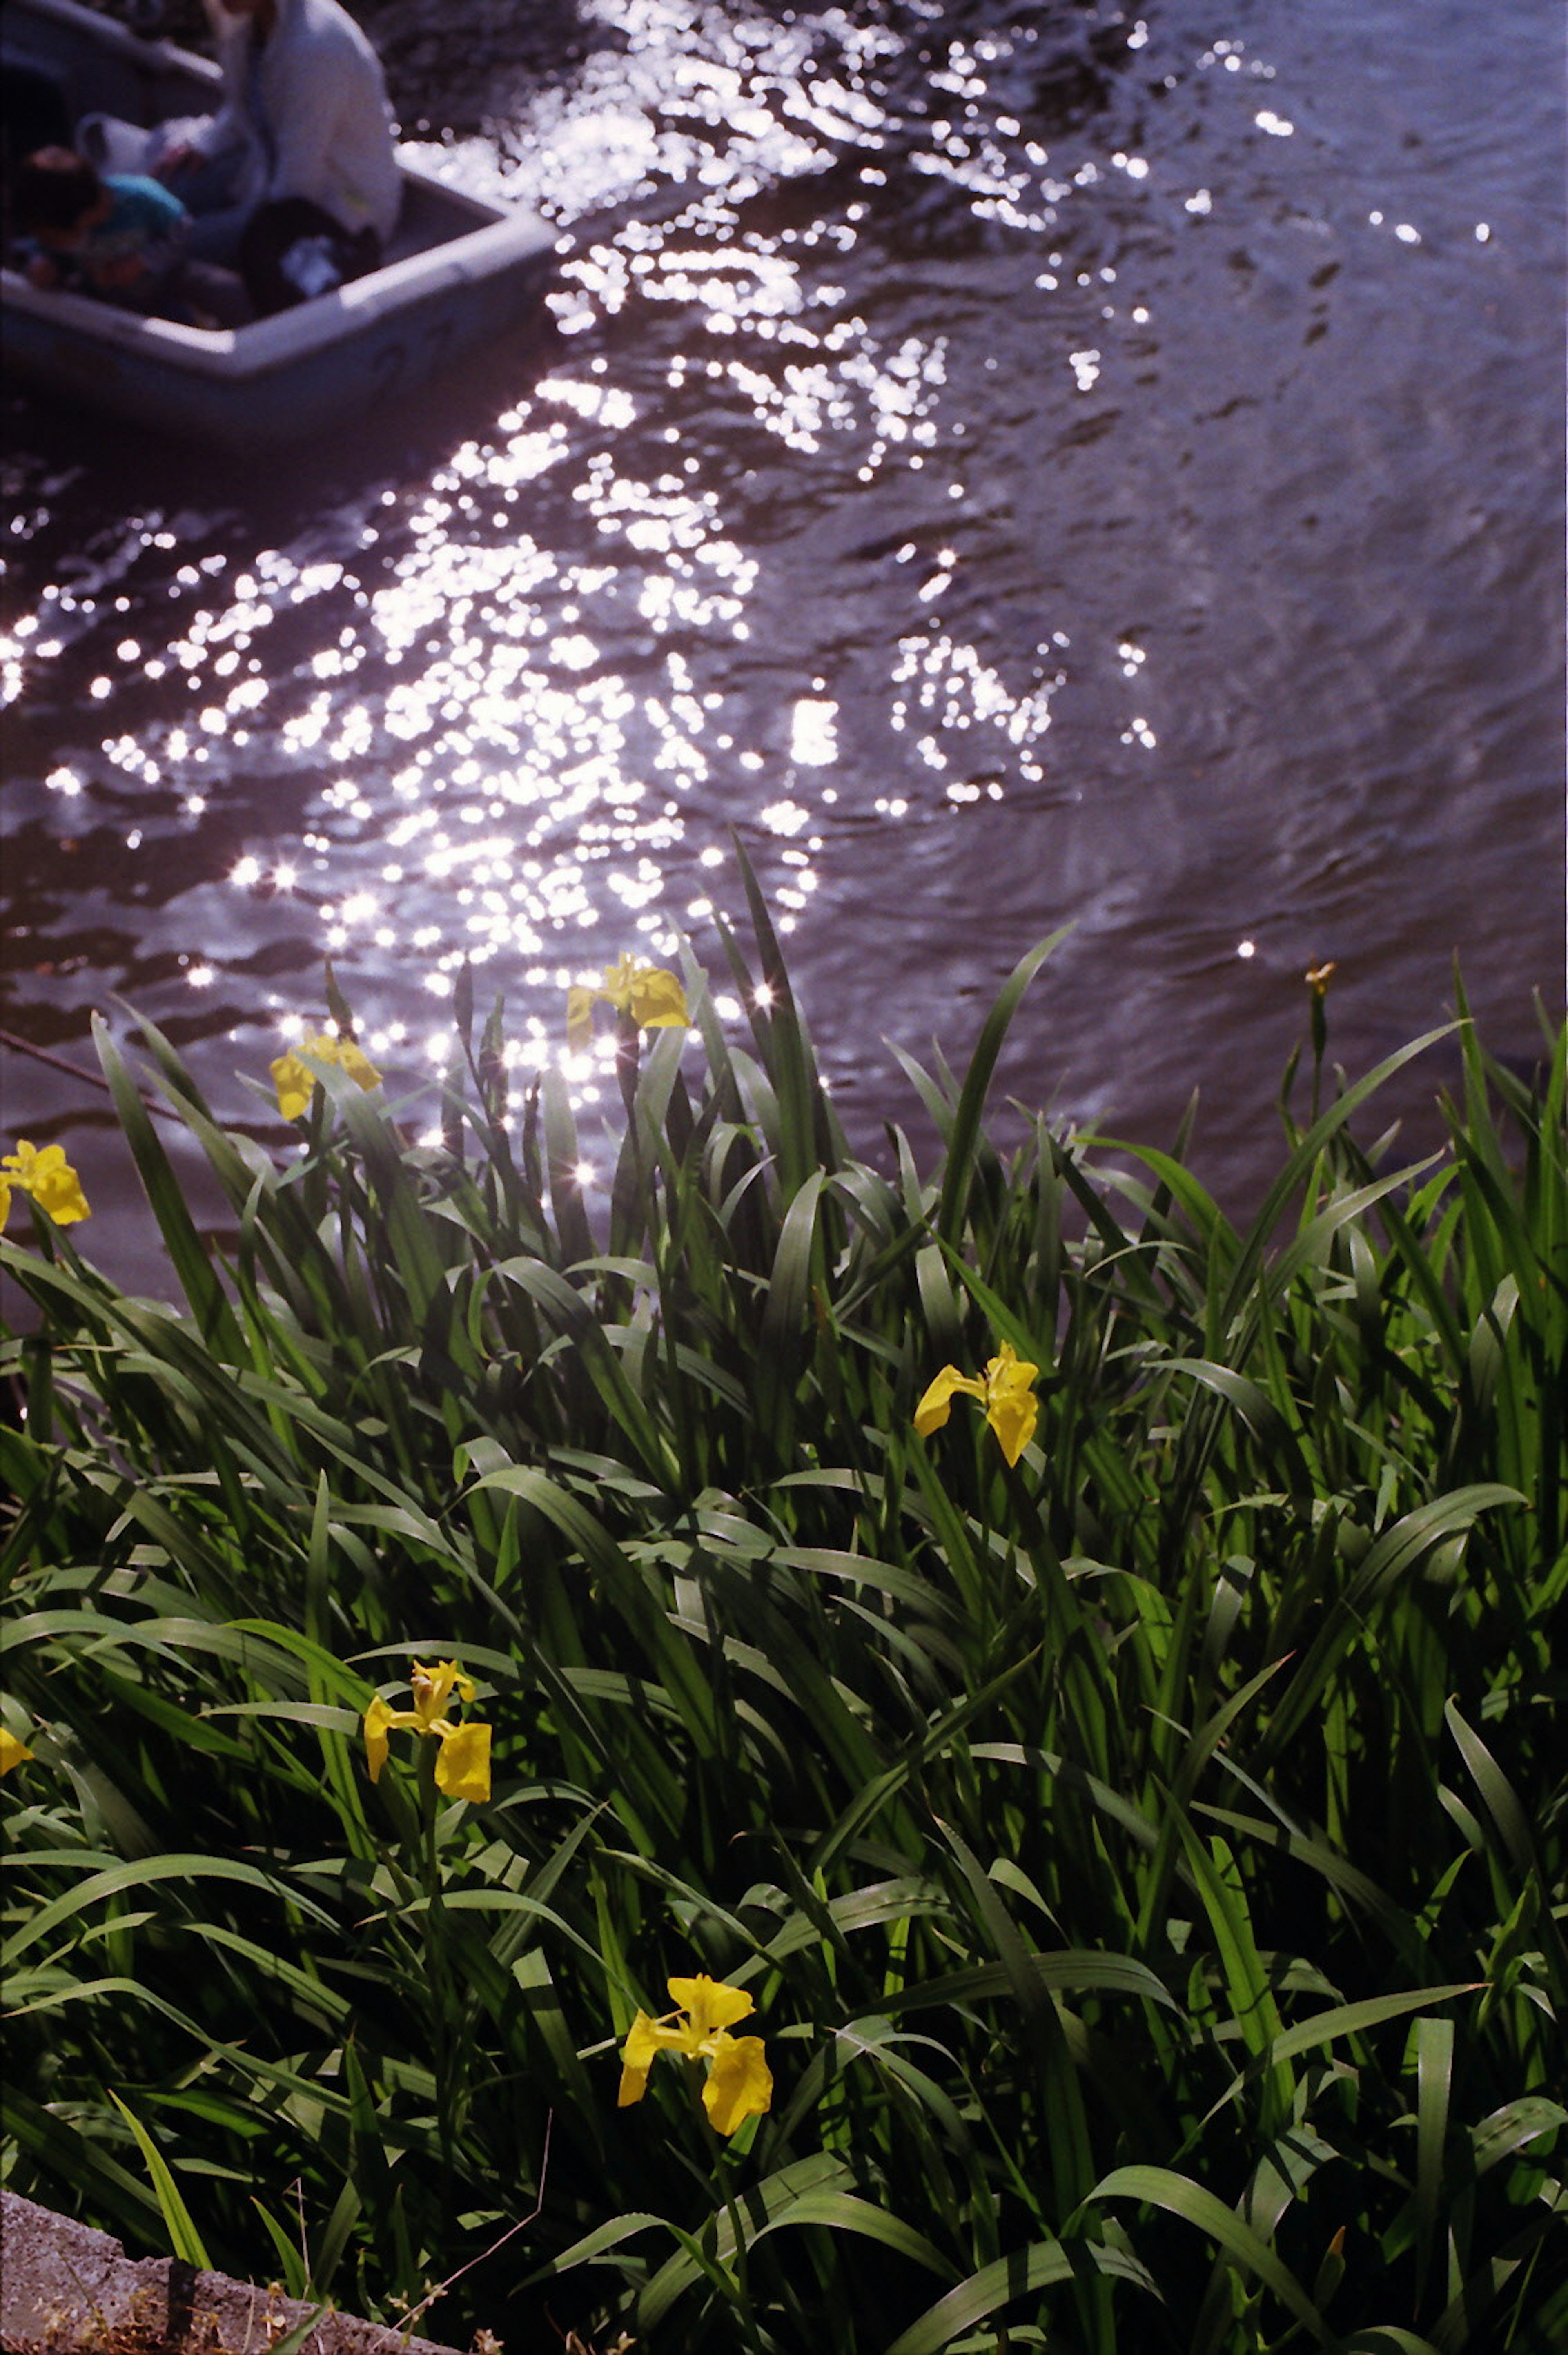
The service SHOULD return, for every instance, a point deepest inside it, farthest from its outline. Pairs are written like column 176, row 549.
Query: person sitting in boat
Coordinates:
column 120, row 235
column 295, row 179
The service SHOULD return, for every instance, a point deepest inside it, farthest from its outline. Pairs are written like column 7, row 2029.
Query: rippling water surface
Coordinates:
column 1010, row 466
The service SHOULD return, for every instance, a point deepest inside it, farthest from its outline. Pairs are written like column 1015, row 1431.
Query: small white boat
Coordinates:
column 456, row 273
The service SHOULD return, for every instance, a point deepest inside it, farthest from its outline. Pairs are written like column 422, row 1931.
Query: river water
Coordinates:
column 1010, row 466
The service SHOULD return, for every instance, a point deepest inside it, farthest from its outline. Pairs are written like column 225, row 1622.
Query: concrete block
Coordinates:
column 66, row 2289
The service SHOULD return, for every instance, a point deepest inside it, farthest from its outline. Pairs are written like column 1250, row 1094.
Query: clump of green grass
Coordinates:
column 1147, row 1857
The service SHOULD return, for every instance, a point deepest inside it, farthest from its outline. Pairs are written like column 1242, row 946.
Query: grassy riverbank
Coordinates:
column 1147, row 1858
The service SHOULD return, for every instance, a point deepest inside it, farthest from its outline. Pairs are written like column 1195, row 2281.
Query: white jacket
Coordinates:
column 323, row 97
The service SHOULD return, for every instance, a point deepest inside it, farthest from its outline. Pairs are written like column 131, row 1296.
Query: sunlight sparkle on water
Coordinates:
column 756, row 513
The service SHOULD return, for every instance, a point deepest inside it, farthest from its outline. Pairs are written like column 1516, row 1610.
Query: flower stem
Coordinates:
column 442, row 2056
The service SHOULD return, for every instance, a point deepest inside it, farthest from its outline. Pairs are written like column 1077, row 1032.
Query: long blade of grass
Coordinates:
column 185, row 2240
column 959, row 1171
column 1158, row 2187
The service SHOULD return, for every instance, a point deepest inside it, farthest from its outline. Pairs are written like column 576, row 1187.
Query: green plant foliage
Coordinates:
column 1148, row 1861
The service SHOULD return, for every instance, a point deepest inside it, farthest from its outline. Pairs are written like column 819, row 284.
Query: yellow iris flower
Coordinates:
column 48, row 1177
column 651, row 996
column 739, row 2082
column 12, row 1751
column 463, row 1761
column 295, row 1082
column 1004, row 1390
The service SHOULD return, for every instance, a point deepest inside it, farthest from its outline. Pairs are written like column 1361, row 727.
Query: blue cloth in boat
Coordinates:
column 145, row 224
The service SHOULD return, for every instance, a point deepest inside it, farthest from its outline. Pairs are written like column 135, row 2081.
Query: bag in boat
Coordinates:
column 111, row 144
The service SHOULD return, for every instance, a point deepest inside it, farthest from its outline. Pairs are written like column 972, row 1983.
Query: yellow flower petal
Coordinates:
column 434, row 1688
column 293, row 1083
column 357, row 1063
column 1011, row 1409
column 1013, row 1420
column 55, row 1188
column 463, row 1764
column 657, row 1001
column 381, row 1718
column 637, row 2057
column 620, row 980
column 579, row 1017
column 48, row 1177
column 740, row 2084
column 378, row 1719
column 709, row 2004
column 12, row 1751
column 65, row 1202
column 937, row 1403
column 4, row 1202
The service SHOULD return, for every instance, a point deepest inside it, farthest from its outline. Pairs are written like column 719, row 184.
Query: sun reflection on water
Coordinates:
column 778, row 533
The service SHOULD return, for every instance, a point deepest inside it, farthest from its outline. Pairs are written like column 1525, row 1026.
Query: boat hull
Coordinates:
column 459, row 273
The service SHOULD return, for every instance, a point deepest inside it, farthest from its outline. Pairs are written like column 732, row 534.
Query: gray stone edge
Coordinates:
column 68, row 2289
